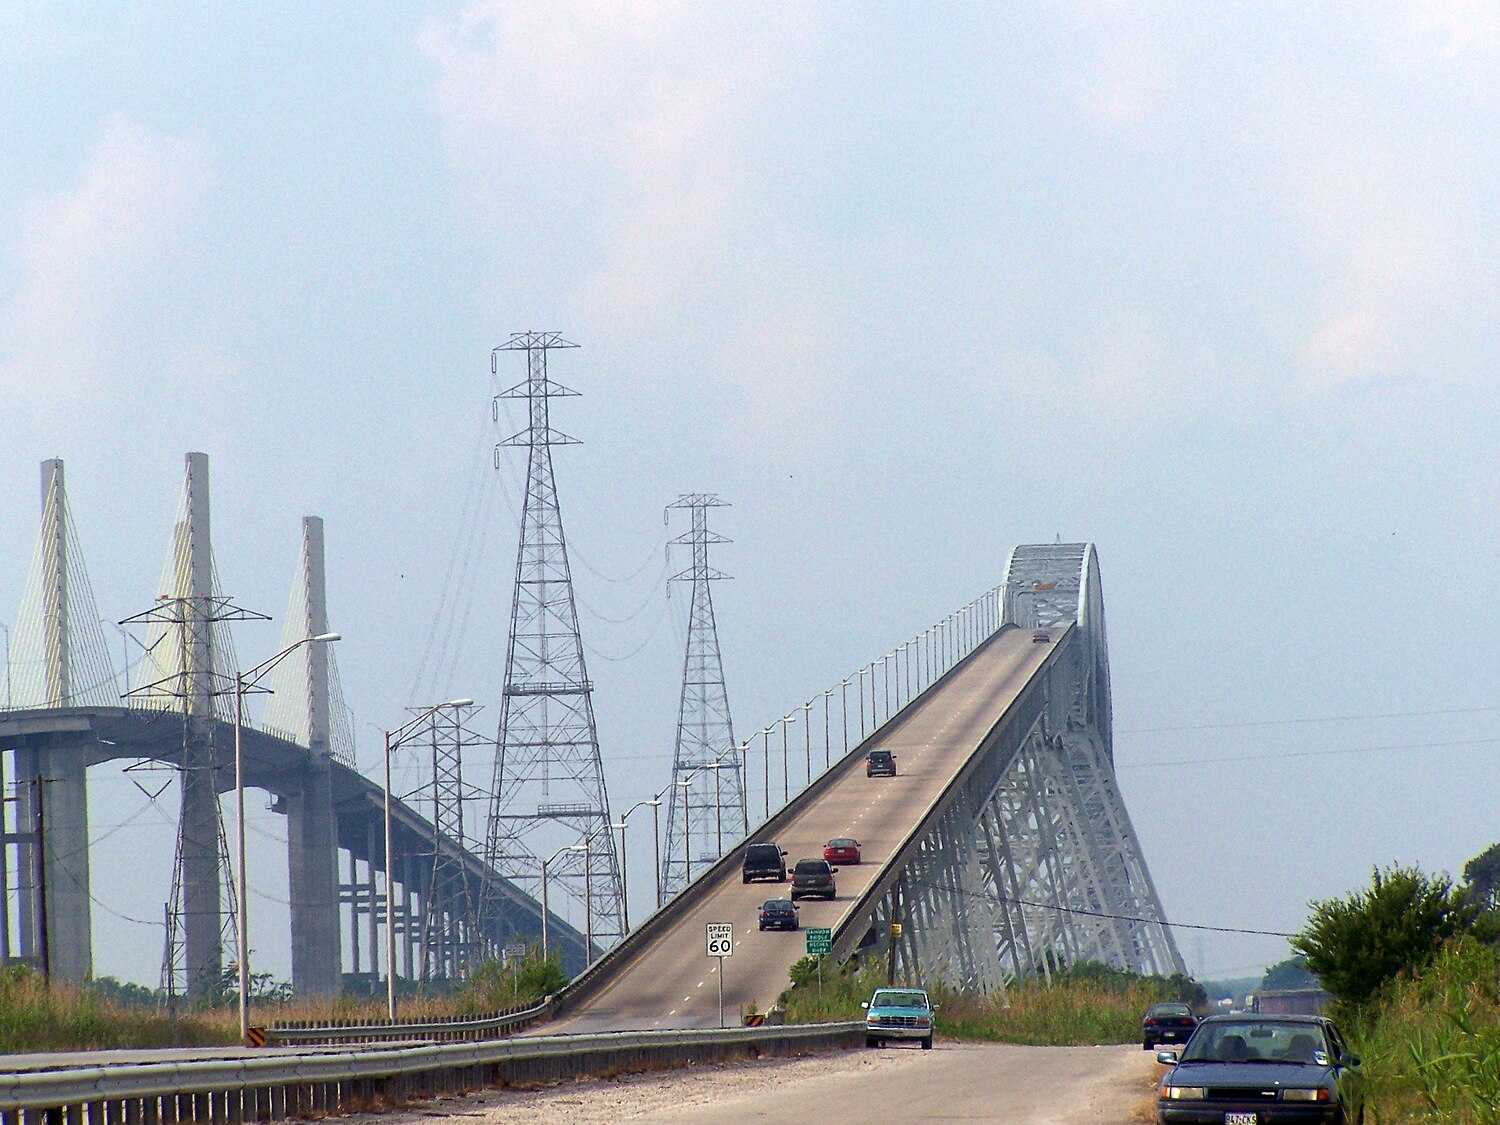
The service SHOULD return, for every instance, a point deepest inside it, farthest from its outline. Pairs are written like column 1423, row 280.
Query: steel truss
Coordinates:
column 1032, row 864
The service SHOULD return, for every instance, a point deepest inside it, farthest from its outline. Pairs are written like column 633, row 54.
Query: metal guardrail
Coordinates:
column 442, row 1030
column 278, row 1087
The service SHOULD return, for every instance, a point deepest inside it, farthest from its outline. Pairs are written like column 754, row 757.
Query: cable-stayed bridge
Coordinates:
column 68, row 711
column 1003, row 849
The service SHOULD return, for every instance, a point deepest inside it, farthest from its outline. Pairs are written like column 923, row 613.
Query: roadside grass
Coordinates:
column 69, row 1017
column 1430, row 1042
column 63, row 1017
column 1081, row 1008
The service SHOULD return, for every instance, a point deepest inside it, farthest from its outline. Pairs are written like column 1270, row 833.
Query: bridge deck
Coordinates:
column 669, row 982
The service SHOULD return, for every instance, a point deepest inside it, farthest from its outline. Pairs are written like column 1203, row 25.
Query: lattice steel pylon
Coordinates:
column 450, row 931
column 548, row 788
column 707, row 810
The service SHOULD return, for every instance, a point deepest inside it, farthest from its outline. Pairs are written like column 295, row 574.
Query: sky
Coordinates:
column 1214, row 287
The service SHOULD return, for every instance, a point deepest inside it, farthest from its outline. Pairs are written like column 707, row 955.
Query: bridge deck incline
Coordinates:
column 669, row 982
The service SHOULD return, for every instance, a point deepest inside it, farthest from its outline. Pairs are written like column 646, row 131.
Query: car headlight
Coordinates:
column 1184, row 1093
column 1318, row 1095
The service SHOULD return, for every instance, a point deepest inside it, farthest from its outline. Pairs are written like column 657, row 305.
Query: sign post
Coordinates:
column 720, row 937
column 511, row 957
column 819, row 945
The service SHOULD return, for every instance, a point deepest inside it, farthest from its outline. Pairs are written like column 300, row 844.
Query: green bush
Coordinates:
column 1357, row 943
column 494, row 987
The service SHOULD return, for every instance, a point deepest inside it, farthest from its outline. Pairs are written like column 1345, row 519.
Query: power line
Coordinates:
column 1310, row 719
column 1103, row 914
column 1310, row 753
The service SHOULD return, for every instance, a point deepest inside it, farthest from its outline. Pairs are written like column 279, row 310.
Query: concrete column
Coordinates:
column 201, row 904
column 312, row 830
column 57, row 771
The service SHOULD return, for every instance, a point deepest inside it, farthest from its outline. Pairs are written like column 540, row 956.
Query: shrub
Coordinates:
column 1358, row 943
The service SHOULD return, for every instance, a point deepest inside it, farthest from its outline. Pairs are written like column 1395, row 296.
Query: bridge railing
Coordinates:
column 280, row 1087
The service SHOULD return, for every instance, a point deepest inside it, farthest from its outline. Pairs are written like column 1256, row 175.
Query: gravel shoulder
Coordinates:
column 956, row 1082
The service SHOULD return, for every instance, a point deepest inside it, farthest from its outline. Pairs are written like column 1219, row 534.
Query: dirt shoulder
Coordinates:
column 973, row 1082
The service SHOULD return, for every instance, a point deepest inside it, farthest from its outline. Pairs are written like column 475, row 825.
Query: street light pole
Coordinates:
column 393, row 740
column 827, row 696
column 807, row 738
column 5, row 629
column 243, row 682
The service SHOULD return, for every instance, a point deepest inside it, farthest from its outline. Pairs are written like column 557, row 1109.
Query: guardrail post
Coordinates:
column 151, row 1111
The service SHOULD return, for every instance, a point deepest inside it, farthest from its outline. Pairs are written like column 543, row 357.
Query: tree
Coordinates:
column 1357, row 943
column 1482, row 873
column 1291, row 973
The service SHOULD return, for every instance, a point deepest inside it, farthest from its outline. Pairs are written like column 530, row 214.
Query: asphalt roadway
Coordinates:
column 671, row 982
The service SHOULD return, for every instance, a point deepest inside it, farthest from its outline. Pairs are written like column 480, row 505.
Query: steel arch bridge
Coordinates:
column 1003, row 852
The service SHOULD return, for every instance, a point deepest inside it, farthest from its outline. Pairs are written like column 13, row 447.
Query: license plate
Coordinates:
column 1241, row 1118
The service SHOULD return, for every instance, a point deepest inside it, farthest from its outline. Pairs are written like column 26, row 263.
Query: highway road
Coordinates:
column 670, row 982
column 956, row 1082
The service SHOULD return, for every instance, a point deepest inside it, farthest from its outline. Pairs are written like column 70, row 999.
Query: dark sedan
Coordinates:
column 1167, row 1023
column 1261, row 1070
column 778, row 914
column 813, row 878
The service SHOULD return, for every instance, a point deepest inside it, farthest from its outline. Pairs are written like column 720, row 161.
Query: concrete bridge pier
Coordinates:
column 312, row 830
column 202, row 903
column 54, row 772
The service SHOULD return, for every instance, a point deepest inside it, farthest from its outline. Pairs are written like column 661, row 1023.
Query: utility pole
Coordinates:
column 548, row 783
column 43, row 934
column 705, row 730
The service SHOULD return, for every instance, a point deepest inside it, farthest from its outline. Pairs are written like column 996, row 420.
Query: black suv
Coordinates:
column 813, row 878
column 880, row 763
column 764, row 861
column 778, row 914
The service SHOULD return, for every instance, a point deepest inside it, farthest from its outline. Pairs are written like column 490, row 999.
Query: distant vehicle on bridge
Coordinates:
column 813, row 878
column 841, row 849
column 899, row 1013
column 1041, row 637
column 880, row 763
column 779, row 914
column 764, row 861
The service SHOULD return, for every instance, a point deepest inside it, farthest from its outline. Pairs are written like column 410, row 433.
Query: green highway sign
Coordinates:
column 819, row 941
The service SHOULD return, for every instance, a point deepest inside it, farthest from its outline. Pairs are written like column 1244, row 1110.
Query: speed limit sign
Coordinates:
column 720, row 939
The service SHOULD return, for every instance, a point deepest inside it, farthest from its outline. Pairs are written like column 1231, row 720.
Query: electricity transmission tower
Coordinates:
column 707, row 799
column 450, row 931
column 548, row 788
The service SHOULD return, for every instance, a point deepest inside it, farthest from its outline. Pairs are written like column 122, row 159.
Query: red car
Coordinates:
column 841, row 849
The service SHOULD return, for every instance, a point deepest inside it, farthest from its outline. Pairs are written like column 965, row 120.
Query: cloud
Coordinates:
column 1387, row 263
column 89, row 256
column 647, row 110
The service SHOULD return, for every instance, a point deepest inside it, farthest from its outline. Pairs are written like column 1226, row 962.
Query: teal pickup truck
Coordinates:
column 899, row 1013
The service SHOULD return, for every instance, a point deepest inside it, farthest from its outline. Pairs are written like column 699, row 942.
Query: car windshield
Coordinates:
column 763, row 852
column 841, row 842
column 879, row 755
column 811, row 867
column 1249, row 1041
column 777, row 906
column 899, row 998
column 1170, row 1010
